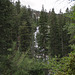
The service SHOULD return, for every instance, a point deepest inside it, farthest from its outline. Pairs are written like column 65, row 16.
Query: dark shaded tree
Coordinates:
column 64, row 36
column 25, row 30
column 5, row 35
column 42, row 36
column 54, row 35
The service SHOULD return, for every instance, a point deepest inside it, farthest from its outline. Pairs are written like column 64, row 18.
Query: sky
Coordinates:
column 48, row 4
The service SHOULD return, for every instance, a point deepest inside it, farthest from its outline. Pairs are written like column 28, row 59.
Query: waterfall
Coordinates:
column 35, row 36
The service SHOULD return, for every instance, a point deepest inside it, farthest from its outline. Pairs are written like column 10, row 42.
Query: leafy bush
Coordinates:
column 67, row 65
column 27, row 66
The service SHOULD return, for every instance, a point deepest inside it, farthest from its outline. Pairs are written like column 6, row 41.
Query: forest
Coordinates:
column 24, row 51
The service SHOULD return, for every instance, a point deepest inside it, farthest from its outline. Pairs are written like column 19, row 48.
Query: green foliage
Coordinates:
column 60, row 73
column 43, row 31
column 70, row 26
column 26, row 66
column 5, row 36
column 18, row 6
column 54, row 42
column 17, row 30
column 68, row 63
column 25, row 29
column 5, row 26
column 24, row 38
column 63, row 66
column 63, row 34
column 5, row 65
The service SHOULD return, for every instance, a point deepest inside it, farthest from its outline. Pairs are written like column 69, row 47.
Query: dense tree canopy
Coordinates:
column 55, row 38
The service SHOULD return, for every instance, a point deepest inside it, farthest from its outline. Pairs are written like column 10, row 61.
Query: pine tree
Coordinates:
column 18, row 6
column 17, row 21
column 42, row 37
column 54, row 35
column 5, row 35
column 64, row 37
column 70, row 26
column 25, row 30
column 5, row 26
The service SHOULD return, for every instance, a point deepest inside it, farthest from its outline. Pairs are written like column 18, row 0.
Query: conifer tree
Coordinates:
column 5, row 35
column 70, row 26
column 42, row 37
column 64, row 37
column 54, row 35
column 5, row 26
column 18, row 6
column 25, row 30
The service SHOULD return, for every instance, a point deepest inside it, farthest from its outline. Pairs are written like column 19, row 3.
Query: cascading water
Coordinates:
column 35, row 36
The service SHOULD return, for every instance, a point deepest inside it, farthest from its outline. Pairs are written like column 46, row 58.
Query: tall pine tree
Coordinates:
column 54, row 35
column 64, row 37
column 5, row 36
column 42, row 37
column 25, row 30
